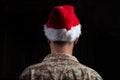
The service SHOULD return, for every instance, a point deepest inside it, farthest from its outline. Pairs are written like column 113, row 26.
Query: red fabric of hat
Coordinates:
column 62, row 17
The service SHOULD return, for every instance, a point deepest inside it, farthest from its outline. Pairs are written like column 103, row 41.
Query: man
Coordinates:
column 62, row 31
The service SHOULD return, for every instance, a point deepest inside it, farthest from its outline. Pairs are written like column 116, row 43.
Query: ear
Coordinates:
column 49, row 41
column 76, row 41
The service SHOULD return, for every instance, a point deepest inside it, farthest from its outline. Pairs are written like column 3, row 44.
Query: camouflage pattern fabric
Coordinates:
column 59, row 67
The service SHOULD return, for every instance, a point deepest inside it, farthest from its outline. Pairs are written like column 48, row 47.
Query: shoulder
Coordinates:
column 92, row 74
column 88, row 72
column 27, row 72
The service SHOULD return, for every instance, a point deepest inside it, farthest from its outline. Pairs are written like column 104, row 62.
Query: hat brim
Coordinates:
column 63, row 34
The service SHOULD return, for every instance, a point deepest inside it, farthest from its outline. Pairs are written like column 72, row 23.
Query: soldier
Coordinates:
column 62, row 31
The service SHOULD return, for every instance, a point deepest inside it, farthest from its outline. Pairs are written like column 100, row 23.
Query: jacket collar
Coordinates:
column 61, row 56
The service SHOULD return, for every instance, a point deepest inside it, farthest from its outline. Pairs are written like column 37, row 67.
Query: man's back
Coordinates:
column 59, row 67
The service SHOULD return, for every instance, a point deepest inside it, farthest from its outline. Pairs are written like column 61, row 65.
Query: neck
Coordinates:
column 66, row 49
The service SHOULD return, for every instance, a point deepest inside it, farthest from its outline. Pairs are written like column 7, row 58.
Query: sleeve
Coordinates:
column 25, row 74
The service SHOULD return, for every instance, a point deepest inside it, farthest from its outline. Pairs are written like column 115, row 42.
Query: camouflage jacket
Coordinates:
column 59, row 67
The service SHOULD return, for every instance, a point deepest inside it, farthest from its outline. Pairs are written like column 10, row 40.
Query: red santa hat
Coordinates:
column 63, row 24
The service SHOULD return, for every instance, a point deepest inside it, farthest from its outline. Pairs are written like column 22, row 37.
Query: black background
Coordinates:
column 22, row 40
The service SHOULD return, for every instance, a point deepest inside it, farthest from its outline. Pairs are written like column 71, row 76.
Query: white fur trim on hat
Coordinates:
column 63, row 34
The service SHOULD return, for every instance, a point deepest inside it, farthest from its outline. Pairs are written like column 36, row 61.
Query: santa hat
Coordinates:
column 63, row 24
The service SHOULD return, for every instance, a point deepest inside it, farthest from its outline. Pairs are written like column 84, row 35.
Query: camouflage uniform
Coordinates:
column 59, row 67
